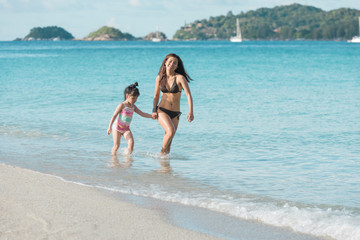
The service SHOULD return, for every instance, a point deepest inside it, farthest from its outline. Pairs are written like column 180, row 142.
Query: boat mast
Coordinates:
column 238, row 32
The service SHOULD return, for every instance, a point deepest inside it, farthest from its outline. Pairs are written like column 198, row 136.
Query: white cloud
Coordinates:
column 55, row 4
column 134, row 3
column 61, row 4
column 48, row 5
column 111, row 22
column 4, row 4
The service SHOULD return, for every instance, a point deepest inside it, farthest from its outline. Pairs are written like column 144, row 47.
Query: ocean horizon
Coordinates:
column 275, row 139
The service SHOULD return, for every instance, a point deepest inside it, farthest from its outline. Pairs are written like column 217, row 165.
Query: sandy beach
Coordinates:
column 40, row 206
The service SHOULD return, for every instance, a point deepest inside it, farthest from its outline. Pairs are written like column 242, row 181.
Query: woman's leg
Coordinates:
column 116, row 138
column 130, row 140
column 175, row 122
column 170, row 129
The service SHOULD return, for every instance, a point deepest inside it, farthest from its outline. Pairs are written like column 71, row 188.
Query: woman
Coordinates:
column 171, row 80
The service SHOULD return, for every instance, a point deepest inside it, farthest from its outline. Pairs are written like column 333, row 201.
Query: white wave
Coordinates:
column 333, row 223
column 17, row 131
column 27, row 55
column 337, row 224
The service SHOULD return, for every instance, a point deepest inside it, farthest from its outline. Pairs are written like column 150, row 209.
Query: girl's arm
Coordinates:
column 117, row 111
column 156, row 97
column 145, row 115
column 186, row 88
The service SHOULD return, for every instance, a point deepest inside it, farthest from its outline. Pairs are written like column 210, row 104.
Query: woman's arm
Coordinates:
column 145, row 115
column 185, row 86
column 117, row 111
column 156, row 97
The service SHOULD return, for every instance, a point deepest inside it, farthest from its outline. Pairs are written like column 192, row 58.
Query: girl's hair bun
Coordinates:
column 132, row 90
column 134, row 85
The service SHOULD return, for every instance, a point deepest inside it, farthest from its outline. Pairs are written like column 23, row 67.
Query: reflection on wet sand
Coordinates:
column 125, row 164
column 128, row 160
column 165, row 166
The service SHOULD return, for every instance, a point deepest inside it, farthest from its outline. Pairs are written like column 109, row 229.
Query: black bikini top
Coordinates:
column 174, row 88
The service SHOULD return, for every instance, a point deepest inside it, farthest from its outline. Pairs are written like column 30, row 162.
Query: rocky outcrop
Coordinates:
column 105, row 37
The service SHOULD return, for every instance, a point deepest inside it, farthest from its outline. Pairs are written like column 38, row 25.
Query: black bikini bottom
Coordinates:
column 171, row 114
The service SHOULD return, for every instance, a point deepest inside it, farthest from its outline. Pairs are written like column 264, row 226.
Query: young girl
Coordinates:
column 125, row 111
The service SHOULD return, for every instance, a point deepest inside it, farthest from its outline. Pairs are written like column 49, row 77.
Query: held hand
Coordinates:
column 154, row 115
column 190, row 117
column 109, row 131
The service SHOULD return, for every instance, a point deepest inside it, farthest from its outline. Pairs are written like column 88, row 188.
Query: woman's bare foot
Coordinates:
column 163, row 152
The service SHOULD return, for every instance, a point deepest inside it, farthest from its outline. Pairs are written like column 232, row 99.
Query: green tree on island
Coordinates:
column 109, row 33
column 293, row 21
column 49, row 33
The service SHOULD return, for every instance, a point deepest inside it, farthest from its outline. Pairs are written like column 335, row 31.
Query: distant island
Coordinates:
column 109, row 34
column 48, row 33
column 104, row 33
column 288, row 22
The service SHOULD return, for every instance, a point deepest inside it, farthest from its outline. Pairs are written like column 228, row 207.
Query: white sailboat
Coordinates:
column 157, row 37
column 356, row 39
column 238, row 37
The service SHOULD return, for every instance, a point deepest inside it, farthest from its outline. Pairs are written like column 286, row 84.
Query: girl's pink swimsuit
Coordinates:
column 124, row 119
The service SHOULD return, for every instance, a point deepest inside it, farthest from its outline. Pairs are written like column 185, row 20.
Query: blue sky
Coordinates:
column 138, row 17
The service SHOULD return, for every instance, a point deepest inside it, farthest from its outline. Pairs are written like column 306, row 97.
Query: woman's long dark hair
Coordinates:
column 132, row 90
column 180, row 69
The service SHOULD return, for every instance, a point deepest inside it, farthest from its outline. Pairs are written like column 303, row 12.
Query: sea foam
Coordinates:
column 339, row 224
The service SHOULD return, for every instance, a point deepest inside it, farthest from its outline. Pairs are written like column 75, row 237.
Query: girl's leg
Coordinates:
column 115, row 161
column 170, row 130
column 116, row 138
column 130, row 140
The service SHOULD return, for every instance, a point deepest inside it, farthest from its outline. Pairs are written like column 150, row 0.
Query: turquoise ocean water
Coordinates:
column 276, row 136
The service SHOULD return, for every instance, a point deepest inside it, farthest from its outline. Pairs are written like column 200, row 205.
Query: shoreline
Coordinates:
column 38, row 205
column 215, row 223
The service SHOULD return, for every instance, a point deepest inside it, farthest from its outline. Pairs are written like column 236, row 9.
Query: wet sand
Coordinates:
column 40, row 206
